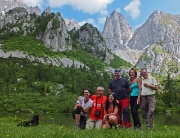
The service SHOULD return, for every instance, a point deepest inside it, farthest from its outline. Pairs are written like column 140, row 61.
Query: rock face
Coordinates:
column 117, row 31
column 157, row 60
column 92, row 41
column 56, row 34
column 160, row 28
column 52, row 32
column 71, row 24
column 6, row 5
column 14, row 17
column 155, row 45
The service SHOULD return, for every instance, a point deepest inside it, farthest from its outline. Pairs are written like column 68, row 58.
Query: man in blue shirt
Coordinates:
column 120, row 87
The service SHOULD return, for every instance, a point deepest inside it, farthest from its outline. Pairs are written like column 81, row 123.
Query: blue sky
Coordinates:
column 95, row 12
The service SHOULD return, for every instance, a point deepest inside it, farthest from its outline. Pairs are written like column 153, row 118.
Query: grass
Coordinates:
column 8, row 129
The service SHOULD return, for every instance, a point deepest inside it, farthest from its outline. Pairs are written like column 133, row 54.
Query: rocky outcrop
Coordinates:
column 71, row 24
column 160, row 28
column 56, row 34
column 6, row 5
column 49, row 28
column 63, row 62
column 92, row 41
column 117, row 31
column 157, row 60
column 17, row 19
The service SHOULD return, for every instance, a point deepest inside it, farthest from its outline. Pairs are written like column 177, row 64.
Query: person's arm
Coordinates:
column 86, row 110
column 77, row 105
column 115, row 112
column 128, row 87
column 110, row 88
column 153, row 86
column 104, row 118
column 140, row 88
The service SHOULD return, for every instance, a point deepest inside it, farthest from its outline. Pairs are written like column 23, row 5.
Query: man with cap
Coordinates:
column 120, row 87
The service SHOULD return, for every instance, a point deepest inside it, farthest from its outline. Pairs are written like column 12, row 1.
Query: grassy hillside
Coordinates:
column 30, row 86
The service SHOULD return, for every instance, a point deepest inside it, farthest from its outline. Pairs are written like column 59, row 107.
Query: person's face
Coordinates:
column 117, row 75
column 99, row 92
column 144, row 73
column 86, row 93
column 132, row 74
column 111, row 98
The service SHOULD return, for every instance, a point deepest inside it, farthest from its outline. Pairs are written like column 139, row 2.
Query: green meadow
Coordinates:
column 9, row 129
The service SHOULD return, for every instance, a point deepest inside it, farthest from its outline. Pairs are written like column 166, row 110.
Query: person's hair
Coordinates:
column 101, row 88
column 88, row 90
column 135, row 72
column 143, row 69
column 107, row 104
column 117, row 70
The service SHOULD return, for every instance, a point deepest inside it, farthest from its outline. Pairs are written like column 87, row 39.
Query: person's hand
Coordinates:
column 79, row 98
column 146, row 84
column 79, row 105
column 104, row 118
column 138, row 100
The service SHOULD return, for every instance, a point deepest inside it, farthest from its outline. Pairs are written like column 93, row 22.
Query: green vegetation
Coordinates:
column 146, row 58
column 26, row 44
column 117, row 62
column 9, row 129
column 23, row 79
column 33, row 83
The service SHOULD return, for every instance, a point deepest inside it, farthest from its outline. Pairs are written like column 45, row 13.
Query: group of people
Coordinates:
column 113, row 109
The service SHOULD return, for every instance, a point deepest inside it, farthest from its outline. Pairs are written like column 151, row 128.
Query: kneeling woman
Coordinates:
column 82, row 107
column 110, row 112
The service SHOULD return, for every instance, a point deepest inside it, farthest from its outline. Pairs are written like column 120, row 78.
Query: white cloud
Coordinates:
column 87, row 6
column 102, row 17
column 133, row 8
column 104, row 12
column 118, row 10
column 33, row 2
column 89, row 20
column 101, row 20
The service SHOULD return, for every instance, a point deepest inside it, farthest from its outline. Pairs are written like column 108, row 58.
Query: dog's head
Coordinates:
column 36, row 118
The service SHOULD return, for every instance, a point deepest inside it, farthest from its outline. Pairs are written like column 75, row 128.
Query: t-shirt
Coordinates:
column 120, row 88
column 99, row 105
column 147, row 90
column 85, row 105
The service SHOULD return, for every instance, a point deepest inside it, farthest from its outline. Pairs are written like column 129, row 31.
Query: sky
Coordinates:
column 95, row 12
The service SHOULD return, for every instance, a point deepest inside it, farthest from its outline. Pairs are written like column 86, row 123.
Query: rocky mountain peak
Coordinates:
column 71, row 24
column 47, row 10
column 161, row 28
column 117, row 31
column 6, row 5
column 92, row 41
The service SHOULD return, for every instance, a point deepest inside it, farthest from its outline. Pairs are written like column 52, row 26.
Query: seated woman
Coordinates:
column 82, row 107
column 110, row 112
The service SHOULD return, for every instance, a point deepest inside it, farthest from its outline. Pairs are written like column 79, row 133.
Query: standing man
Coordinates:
column 120, row 87
column 97, row 113
column 149, row 85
